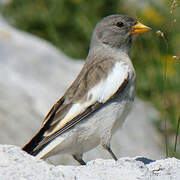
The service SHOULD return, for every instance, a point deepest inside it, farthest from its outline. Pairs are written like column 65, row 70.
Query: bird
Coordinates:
column 98, row 101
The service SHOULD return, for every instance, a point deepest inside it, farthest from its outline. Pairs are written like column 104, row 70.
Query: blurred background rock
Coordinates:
column 32, row 65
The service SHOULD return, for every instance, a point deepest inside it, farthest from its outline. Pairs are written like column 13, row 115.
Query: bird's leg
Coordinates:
column 108, row 148
column 79, row 159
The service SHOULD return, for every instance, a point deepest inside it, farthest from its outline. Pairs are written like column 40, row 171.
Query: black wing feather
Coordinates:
column 34, row 142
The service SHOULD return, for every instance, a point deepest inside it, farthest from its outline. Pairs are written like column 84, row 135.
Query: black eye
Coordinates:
column 119, row 24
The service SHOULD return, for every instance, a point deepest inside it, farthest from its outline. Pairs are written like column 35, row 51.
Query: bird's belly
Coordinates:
column 125, row 105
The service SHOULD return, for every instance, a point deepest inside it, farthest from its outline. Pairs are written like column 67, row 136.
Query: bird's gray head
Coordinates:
column 116, row 31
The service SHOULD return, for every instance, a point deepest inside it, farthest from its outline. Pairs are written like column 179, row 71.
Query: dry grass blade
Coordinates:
column 162, row 35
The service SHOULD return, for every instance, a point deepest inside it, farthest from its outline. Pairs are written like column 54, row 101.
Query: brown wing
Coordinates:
column 40, row 141
column 55, row 124
column 89, row 111
column 53, row 110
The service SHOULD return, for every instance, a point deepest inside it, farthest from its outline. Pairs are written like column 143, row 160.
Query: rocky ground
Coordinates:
column 16, row 164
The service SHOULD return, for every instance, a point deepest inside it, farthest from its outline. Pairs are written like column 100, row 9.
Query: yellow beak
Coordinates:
column 139, row 28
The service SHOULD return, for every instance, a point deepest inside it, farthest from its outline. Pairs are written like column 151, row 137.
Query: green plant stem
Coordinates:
column 177, row 132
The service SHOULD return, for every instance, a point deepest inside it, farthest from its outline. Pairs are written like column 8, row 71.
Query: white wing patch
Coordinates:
column 104, row 90
column 101, row 93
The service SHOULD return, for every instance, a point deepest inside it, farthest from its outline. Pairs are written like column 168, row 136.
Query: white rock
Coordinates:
column 16, row 164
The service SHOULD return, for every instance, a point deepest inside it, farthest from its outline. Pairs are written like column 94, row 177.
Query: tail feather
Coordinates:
column 31, row 146
column 40, row 147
